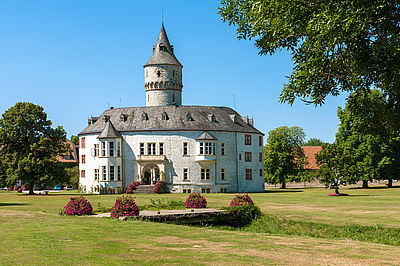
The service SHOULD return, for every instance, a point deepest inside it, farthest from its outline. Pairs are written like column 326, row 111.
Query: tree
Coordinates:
column 313, row 142
column 28, row 147
column 336, row 46
column 72, row 174
column 330, row 160
column 75, row 140
column 283, row 155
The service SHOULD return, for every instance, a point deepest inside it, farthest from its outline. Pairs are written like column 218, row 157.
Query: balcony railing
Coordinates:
column 151, row 158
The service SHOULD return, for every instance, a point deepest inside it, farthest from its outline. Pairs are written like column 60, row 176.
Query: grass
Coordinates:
column 32, row 232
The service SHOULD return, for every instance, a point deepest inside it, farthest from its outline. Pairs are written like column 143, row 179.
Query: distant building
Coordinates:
column 70, row 157
column 191, row 148
column 310, row 152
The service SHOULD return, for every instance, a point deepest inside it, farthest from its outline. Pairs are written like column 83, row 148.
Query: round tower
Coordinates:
column 163, row 74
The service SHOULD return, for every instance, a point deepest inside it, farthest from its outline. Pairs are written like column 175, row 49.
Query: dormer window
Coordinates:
column 163, row 48
column 123, row 118
column 212, row 118
column 189, row 117
column 145, row 117
column 106, row 118
column 164, row 116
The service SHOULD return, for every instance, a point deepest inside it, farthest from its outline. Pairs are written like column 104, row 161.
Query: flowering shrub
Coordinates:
column 77, row 206
column 19, row 190
column 124, row 206
column 159, row 187
column 195, row 200
column 132, row 187
column 240, row 200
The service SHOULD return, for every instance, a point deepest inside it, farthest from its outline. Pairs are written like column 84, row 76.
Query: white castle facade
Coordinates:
column 191, row 148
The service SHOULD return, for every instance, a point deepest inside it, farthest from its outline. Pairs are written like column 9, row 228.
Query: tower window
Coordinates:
column 158, row 73
column 163, row 48
column 173, row 98
column 164, row 116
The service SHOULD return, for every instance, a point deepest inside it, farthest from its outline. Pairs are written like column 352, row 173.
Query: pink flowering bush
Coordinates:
column 196, row 200
column 77, row 206
column 124, row 206
column 132, row 187
column 159, row 187
column 240, row 200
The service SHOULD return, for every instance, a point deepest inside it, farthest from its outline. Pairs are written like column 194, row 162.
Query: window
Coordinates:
column 240, row 156
column 224, row 190
column 261, row 172
column 119, row 173
column 249, row 174
column 144, row 117
column 205, row 174
column 247, row 139
column 141, row 148
column 83, row 143
column 260, row 155
column 103, row 149
column 205, row 190
column 118, row 149
column 83, row 158
column 82, row 173
column 247, row 156
column 189, row 117
column 187, row 190
column 185, row 173
column 173, row 98
column 151, row 149
column 104, row 172
column 96, row 150
column 260, row 140
column 164, row 116
column 222, row 173
column 111, row 148
column 207, row 148
column 123, row 118
column 185, row 148
column 222, row 149
column 111, row 172
column 96, row 174
column 161, row 147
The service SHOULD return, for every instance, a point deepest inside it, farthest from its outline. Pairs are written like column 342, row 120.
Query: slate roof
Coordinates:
column 131, row 119
column 109, row 132
column 163, row 57
column 206, row 136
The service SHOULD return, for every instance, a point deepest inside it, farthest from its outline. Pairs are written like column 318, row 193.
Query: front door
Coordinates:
column 147, row 178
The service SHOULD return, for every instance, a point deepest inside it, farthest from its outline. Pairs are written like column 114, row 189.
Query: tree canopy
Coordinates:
column 336, row 46
column 313, row 142
column 28, row 147
column 283, row 155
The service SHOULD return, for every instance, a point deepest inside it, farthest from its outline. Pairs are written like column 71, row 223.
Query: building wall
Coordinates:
column 235, row 167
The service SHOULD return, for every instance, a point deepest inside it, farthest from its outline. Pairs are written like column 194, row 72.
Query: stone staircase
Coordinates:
column 144, row 189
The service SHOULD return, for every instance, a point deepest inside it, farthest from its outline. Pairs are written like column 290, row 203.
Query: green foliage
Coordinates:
column 75, row 140
column 101, row 209
column 164, row 204
column 243, row 215
column 283, row 156
column 313, row 142
column 335, row 46
column 72, row 176
column 29, row 146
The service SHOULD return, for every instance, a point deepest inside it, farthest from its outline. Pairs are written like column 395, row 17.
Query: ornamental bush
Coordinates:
column 77, row 206
column 132, row 187
column 124, row 206
column 240, row 200
column 159, row 187
column 195, row 200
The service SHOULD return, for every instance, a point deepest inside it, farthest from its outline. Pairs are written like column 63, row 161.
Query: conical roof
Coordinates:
column 165, row 54
column 109, row 132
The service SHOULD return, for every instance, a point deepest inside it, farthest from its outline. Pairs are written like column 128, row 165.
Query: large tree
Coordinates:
column 313, row 142
column 336, row 46
column 28, row 146
column 283, row 156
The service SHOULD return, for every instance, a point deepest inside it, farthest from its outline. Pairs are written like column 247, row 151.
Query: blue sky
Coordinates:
column 76, row 58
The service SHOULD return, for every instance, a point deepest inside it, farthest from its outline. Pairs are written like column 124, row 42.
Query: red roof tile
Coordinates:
column 310, row 152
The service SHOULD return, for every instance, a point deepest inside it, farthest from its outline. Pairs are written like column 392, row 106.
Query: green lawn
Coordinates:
column 32, row 232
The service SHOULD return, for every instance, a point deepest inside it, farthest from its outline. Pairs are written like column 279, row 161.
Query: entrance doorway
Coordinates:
column 151, row 174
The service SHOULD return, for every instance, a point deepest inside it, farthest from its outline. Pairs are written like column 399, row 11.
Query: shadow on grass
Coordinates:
column 282, row 191
column 372, row 188
column 12, row 204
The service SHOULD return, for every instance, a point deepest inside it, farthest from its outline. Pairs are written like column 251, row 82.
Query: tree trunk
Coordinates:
column 365, row 184
column 337, row 190
column 31, row 190
column 390, row 182
column 283, row 185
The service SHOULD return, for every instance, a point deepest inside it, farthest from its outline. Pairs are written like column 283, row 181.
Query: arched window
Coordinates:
column 166, row 84
column 161, row 85
column 164, row 116
column 156, row 85
column 151, row 85
column 145, row 117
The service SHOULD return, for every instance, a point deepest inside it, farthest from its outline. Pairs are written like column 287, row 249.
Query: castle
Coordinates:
column 203, row 149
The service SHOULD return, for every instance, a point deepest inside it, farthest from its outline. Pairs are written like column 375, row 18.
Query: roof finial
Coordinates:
column 162, row 15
